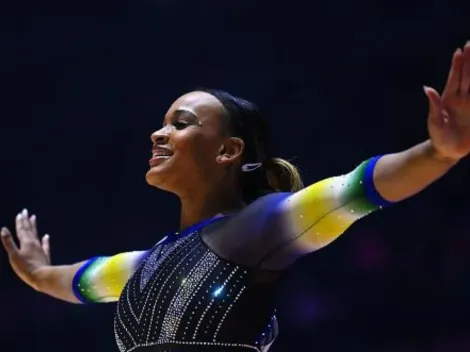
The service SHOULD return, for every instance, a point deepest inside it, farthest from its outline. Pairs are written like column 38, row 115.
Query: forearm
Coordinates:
column 57, row 281
column 315, row 216
column 97, row 280
column 401, row 175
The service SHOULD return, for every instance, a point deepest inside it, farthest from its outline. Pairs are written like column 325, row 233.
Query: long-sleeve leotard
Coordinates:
column 102, row 279
column 276, row 230
column 315, row 216
column 271, row 233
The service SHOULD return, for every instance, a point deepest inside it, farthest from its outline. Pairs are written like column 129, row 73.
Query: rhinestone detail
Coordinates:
column 183, row 294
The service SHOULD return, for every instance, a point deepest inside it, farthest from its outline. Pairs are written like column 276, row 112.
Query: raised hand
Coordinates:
column 32, row 254
column 449, row 114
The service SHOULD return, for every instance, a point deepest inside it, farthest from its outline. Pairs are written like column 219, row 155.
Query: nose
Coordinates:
column 159, row 137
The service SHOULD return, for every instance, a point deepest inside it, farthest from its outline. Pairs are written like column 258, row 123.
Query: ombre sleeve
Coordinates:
column 102, row 279
column 312, row 218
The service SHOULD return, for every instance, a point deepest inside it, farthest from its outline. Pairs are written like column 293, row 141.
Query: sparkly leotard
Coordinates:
column 211, row 288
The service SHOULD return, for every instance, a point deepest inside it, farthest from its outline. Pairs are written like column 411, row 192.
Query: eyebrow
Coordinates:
column 180, row 112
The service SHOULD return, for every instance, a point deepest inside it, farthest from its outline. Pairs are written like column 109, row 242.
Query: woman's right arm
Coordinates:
column 100, row 279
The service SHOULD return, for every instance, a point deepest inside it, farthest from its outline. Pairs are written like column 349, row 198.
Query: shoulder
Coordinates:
column 245, row 237
column 265, row 205
column 255, row 219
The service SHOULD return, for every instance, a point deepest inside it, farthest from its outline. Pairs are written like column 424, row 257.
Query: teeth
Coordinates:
column 159, row 154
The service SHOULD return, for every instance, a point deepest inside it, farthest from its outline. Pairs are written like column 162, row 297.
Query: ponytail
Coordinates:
column 283, row 176
column 260, row 174
column 276, row 175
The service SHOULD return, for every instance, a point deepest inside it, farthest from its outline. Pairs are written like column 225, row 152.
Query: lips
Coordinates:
column 159, row 155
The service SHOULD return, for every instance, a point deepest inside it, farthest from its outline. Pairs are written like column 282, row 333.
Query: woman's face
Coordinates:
column 191, row 147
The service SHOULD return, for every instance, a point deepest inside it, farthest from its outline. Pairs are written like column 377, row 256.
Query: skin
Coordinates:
column 206, row 159
column 203, row 168
column 400, row 175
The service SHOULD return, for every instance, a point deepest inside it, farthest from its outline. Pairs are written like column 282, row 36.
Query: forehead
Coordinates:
column 202, row 104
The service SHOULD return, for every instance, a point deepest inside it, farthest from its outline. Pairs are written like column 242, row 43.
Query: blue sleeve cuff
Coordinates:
column 369, row 187
column 78, row 276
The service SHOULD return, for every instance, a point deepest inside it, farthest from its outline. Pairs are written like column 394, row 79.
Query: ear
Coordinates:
column 231, row 150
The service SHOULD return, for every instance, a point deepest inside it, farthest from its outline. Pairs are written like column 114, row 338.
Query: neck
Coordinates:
column 201, row 206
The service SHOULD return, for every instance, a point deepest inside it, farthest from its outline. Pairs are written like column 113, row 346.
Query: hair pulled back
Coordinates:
column 243, row 120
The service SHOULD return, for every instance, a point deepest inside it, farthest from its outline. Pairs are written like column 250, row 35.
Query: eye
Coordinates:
column 179, row 125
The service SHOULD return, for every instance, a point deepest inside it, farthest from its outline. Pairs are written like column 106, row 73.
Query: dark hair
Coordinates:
column 243, row 119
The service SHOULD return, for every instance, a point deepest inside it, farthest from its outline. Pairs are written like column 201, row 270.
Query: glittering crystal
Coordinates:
column 184, row 294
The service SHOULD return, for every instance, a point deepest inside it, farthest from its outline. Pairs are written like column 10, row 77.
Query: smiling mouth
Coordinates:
column 158, row 159
column 159, row 156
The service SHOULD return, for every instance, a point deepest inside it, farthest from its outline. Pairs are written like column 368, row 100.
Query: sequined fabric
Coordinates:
column 183, row 297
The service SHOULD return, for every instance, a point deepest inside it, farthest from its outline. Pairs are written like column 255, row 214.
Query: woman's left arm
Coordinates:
column 399, row 176
column 318, row 214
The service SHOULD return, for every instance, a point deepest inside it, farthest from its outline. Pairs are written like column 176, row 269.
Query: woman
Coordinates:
column 245, row 218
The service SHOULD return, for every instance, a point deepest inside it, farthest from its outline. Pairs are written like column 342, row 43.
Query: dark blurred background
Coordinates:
column 83, row 84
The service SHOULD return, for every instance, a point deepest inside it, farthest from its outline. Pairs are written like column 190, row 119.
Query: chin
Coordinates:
column 159, row 172
column 161, row 178
column 155, row 177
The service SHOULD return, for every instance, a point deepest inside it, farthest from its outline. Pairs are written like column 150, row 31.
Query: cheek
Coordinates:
column 197, row 147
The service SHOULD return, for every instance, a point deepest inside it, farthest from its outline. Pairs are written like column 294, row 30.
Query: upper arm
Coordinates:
column 102, row 279
column 312, row 218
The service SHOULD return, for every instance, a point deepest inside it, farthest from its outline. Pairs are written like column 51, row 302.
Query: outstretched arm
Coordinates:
column 97, row 280
column 318, row 214
column 399, row 176
column 312, row 218
column 102, row 279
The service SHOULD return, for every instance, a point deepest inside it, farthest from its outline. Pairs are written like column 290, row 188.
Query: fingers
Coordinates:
column 33, row 226
column 435, row 107
column 8, row 242
column 458, row 81
column 21, row 230
column 465, row 78
column 453, row 81
column 27, row 234
column 26, row 228
column 46, row 246
column 24, row 220
column 434, row 99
